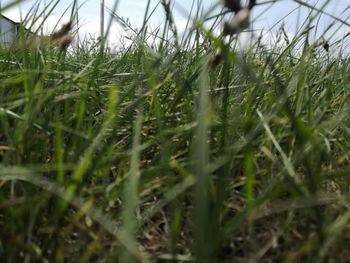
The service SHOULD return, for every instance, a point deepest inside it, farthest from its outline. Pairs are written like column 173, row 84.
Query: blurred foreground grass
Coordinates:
column 151, row 154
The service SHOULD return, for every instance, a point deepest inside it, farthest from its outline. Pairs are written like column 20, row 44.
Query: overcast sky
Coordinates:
column 265, row 16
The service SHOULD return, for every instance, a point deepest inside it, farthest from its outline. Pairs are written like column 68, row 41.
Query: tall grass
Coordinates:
column 151, row 153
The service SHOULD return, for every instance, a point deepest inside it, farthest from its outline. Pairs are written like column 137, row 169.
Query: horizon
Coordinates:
column 267, row 18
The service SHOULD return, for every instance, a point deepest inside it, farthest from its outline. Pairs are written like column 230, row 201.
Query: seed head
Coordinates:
column 326, row 46
column 66, row 41
column 63, row 37
column 251, row 4
column 215, row 61
column 233, row 5
column 238, row 23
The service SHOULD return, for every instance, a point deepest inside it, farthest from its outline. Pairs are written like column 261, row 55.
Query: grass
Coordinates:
column 152, row 154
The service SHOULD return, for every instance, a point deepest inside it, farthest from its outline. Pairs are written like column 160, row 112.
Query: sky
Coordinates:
column 265, row 17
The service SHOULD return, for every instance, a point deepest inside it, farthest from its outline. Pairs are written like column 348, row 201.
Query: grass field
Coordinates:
column 166, row 151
